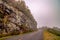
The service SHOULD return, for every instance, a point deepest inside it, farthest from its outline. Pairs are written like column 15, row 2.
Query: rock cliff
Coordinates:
column 15, row 16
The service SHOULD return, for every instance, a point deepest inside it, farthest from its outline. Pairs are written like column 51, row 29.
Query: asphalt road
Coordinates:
column 38, row 35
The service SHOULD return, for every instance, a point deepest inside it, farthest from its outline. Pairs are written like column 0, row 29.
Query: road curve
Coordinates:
column 38, row 35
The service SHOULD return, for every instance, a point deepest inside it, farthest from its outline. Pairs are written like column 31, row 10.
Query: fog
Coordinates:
column 45, row 12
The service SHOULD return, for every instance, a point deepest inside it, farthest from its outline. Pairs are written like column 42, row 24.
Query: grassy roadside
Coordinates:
column 3, row 38
column 50, row 36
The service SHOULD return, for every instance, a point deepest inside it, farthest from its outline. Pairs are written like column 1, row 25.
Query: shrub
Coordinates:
column 15, row 32
column 3, row 35
column 56, row 32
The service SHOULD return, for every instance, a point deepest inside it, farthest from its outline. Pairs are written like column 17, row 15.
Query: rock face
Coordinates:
column 15, row 15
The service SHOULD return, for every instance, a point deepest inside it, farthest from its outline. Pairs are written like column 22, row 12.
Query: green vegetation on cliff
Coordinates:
column 15, row 18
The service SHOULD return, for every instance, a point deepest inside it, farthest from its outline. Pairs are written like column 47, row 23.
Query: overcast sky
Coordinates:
column 45, row 12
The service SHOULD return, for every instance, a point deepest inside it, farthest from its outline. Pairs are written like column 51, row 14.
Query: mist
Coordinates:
column 45, row 12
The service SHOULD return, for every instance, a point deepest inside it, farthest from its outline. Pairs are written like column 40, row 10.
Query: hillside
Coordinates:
column 15, row 17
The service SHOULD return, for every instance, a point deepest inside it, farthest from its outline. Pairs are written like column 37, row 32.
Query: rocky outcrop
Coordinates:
column 15, row 15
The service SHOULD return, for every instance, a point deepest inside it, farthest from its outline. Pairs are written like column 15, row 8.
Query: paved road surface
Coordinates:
column 38, row 35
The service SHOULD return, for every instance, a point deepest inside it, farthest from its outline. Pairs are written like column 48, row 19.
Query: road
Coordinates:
column 38, row 35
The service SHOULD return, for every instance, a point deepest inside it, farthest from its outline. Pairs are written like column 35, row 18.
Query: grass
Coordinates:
column 54, row 31
column 3, row 38
column 50, row 36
